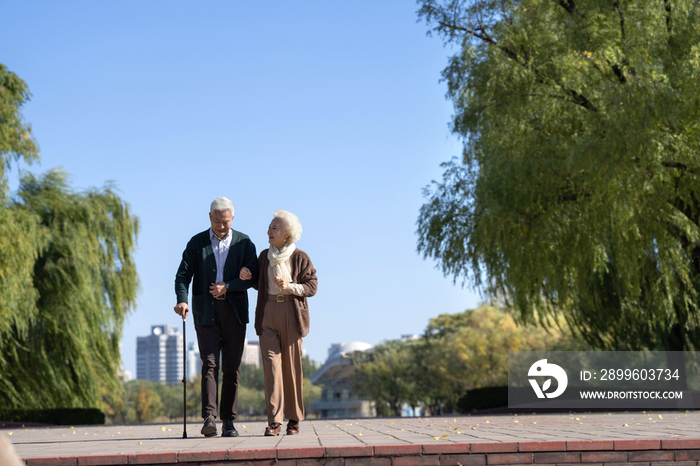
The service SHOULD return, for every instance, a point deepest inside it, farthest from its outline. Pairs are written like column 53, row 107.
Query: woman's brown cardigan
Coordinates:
column 303, row 273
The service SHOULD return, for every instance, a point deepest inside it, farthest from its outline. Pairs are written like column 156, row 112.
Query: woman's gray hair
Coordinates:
column 221, row 204
column 290, row 224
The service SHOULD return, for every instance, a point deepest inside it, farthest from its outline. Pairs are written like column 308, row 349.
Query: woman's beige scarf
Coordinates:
column 278, row 257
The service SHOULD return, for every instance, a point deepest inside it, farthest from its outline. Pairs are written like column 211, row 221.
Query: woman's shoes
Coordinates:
column 292, row 427
column 273, row 429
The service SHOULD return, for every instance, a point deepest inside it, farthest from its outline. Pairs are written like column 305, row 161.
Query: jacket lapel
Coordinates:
column 230, row 258
column 209, row 260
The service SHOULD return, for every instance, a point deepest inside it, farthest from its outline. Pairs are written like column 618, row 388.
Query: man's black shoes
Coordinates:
column 209, row 427
column 228, row 430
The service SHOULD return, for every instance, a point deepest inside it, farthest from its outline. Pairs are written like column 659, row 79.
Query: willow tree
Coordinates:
column 67, row 277
column 578, row 188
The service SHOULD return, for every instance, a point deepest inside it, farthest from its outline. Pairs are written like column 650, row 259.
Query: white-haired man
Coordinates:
column 219, row 307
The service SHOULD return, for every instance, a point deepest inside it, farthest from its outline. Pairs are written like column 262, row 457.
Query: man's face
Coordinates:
column 220, row 222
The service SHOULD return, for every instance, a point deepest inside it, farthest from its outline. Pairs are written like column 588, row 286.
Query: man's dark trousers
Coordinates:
column 226, row 336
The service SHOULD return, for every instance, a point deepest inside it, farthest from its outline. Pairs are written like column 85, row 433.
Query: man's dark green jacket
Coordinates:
column 198, row 261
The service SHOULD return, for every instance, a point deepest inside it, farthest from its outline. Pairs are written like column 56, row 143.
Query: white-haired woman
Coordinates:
column 287, row 278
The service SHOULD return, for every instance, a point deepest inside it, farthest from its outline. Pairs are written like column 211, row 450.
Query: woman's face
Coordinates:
column 276, row 233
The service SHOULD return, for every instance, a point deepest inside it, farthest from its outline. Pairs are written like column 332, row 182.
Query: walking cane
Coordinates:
column 184, row 381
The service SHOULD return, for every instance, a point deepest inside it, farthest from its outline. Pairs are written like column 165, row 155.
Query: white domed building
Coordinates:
column 337, row 399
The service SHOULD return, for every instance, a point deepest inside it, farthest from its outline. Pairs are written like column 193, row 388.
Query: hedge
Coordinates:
column 59, row 417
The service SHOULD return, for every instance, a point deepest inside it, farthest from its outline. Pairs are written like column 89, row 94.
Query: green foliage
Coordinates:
column 16, row 140
column 458, row 352
column 143, row 401
column 252, row 377
column 251, row 401
column 67, row 277
column 308, row 367
column 578, row 190
column 311, row 392
column 387, row 375
column 483, row 398
column 251, row 390
column 58, row 417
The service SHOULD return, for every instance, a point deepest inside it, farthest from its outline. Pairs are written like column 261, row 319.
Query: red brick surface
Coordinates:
column 626, row 464
column 680, row 444
column 320, row 462
column 603, row 456
column 687, row 455
column 301, row 452
column 264, row 462
column 368, row 461
column 637, row 444
column 200, row 456
column 542, row 446
column 463, row 460
column 412, row 442
column 420, row 460
column 589, row 445
column 494, row 447
column 278, row 463
column 253, row 454
column 509, row 458
column 436, row 448
column 153, row 458
column 355, row 450
column 102, row 460
column 557, row 457
column 392, row 450
column 658, row 455
column 52, row 461
column 674, row 463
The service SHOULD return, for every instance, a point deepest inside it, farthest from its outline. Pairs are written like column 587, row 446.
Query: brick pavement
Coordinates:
column 645, row 439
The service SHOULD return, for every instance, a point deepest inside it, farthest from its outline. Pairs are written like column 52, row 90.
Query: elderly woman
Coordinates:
column 287, row 278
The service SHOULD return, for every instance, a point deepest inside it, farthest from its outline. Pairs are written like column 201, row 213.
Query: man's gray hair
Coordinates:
column 221, row 204
column 290, row 224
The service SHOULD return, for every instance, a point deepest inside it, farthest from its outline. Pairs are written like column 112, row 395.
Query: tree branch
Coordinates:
column 578, row 99
column 581, row 100
column 481, row 36
column 485, row 38
column 620, row 75
column 616, row 6
column 568, row 5
column 681, row 166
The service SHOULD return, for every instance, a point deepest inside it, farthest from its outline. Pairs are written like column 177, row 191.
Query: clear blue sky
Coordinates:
column 332, row 110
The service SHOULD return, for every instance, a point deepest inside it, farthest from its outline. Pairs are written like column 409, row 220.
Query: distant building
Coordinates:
column 159, row 355
column 337, row 399
column 194, row 362
column 252, row 354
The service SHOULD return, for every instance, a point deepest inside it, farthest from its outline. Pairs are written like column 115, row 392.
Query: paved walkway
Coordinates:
column 370, row 441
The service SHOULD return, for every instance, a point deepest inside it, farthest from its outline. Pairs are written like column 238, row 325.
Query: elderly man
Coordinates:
column 220, row 308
